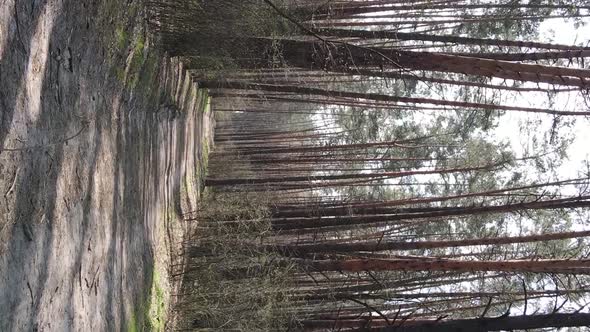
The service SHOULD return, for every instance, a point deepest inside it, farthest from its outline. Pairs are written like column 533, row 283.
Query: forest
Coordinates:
column 388, row 165
column 295, row 165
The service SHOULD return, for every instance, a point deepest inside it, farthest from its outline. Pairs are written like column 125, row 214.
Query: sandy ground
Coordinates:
column 91, row 166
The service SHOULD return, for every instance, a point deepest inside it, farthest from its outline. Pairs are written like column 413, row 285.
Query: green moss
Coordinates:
column 120, row 74
column 137, row 61
column 207, row 107
column 153, row 310
column 121, row 38
column 146, row 79
column 204, row 106
column 132, row 324
column 205, row 151
column 171, row 215
column 156, row 308
column 203, row 100
column 184, row 186
column 138, row 51
column 187, row 189
column 117, row 46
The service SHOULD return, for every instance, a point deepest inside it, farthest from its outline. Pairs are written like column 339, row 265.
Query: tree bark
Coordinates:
column 392, row 35
column 302, row 250
column 377, row 97
column 533, row 266
column 524, row 322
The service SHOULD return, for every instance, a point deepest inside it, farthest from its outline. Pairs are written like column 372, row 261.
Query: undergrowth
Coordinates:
column 230, row 283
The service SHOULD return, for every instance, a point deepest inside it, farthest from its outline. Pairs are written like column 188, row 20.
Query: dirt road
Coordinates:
column 92, row 165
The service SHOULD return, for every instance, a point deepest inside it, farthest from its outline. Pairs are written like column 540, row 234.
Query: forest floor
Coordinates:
column 94, row 174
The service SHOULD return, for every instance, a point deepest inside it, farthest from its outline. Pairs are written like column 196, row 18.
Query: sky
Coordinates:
column 511, row 123
column 561, row 32
column 580, row 148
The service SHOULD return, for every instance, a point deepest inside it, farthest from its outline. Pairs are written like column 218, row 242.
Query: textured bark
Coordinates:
column 365, row 9
column 532, row 56
column 376, row 97
column 400, row 245
column 303, row 148
column 339, row 57
column 406, row 214
column 310, row 178
column 557, row 320
column 533, row 266
column 392, row 35
column 365, row 207
column 397, row 75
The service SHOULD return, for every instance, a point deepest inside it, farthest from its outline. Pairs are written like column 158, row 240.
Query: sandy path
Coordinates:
column 82, row 220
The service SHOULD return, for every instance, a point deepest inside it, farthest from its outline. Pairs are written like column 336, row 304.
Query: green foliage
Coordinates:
column 507, row 24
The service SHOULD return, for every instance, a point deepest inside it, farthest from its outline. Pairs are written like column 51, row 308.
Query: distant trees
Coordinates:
column 361, row 260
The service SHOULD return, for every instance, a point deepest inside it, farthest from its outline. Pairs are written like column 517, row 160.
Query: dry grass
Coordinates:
column 229, row 282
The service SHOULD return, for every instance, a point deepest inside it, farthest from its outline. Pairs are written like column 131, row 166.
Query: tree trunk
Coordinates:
column 392, row 35
column 376, row 97
column 429, row 264
column 302, row 250
column 343, row 57
column 556, row 320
